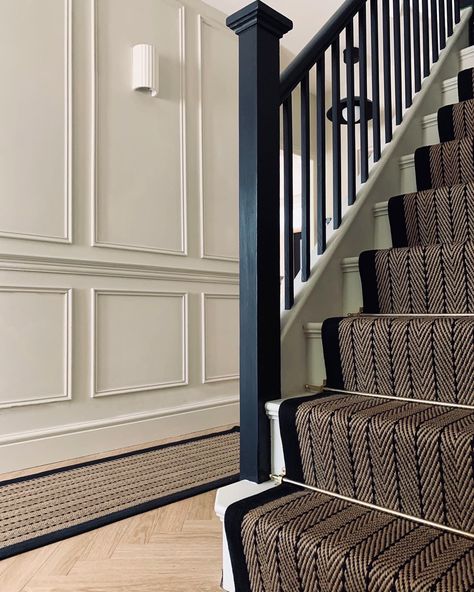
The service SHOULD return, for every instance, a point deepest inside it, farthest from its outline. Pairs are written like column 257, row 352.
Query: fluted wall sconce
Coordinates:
column 145, row 69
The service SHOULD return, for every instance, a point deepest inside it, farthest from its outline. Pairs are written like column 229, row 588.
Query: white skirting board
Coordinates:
column 31, row 449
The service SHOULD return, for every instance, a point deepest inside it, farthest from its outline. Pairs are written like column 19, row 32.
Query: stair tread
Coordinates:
column 312, row 541
column 432, row 216
column 445, row 164
column 425, row 358
column 431, row 279
column 407, row 456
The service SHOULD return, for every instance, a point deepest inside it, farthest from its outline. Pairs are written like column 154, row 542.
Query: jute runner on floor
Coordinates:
column 47, row 507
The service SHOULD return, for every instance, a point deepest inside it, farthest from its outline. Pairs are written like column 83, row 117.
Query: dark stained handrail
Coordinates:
column 310, row 54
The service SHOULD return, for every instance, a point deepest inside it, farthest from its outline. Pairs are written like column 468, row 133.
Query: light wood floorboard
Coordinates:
column 176, row 548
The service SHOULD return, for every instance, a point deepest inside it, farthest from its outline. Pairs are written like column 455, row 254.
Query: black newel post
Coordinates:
column 259, row 28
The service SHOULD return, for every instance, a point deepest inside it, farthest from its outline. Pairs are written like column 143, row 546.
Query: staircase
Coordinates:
column 377, row 490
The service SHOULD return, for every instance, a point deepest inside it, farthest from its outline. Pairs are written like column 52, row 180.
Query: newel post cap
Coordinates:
column 259, row 14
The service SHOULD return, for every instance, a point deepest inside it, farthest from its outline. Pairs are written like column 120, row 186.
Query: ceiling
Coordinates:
column 308, row 17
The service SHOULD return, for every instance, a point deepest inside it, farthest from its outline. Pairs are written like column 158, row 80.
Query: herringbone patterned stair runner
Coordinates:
column 441, row 165
column 409, row 457
column 420, row 358
column 434, row 279
column 432, row 217
column 394, row 426
column 289, row 539
column 456, row 121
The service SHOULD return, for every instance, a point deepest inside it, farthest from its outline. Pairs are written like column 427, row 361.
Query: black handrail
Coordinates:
column 304, row 61
column 400, row 53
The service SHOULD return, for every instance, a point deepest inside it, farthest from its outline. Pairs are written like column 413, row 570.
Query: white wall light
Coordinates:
column 145, row 69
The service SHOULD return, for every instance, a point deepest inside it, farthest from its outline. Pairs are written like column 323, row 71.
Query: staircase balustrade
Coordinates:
column 409, row 35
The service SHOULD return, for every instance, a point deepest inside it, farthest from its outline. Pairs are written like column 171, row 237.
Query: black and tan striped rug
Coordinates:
column 47, row 507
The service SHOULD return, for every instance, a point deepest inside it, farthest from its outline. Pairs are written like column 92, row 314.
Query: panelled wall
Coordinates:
column 118, row 227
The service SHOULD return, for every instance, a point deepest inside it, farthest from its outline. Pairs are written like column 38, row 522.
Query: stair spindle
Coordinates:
column 305, row 180
column 407, row 52
column 397, row 58
column 364, row 142
column 351, row 141
column 457, row 11
column 434, row 31
column 449, row 17
column 374, row 46
column 442, row 24
column 321, row 155
column 288, row 201
column 416, row 44
column 425, row 20
column 387, row 65
column 336, row 132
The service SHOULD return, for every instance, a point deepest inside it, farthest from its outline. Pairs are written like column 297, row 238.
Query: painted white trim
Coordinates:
column 466, row 55
column 407, row 161
column 430, row 120
column 97, row 424
column 225, row 497
column 211, row 23
column 38, row 447
column 223, row 377
column 312, row 330
column 89, row 267
column 95, row 242
column 449, row 85
column 68, row 145
column 350, row 265
column 67, row 328
column 95, row 392
column 380, row 209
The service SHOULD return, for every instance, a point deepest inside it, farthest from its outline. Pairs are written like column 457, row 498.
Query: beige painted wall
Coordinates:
column 118, row 234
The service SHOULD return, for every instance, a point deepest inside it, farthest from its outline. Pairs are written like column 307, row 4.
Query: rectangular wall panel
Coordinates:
column 220, row 337
column 35, row 345
column 35, row 119
column 219, row 142
column 140, row 177
column 139, row 341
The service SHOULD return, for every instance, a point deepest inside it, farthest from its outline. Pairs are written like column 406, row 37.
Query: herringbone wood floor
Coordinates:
column 173, row 549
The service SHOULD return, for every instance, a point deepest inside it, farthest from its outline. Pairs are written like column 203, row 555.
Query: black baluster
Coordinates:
column 351, row 168
column 387, row 79
column 374, row 41
column 457, row 11
column 425, row 20
column 320, row 156
column 434, row 31
column 288, row 201
column 397, row 58
column 305, row 181
column 336, row 132
column 442, row 24
column 407, row 52
column 364, row 142
column 449, row 17
column 416, row 44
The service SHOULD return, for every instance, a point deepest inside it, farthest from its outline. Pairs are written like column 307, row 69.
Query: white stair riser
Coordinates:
column 429, row 125
column 407, row 174
column 352, row 290
column 466, row 59
column 382, row 236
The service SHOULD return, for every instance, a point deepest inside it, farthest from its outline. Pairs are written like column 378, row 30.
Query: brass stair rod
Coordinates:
column 279, row 479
